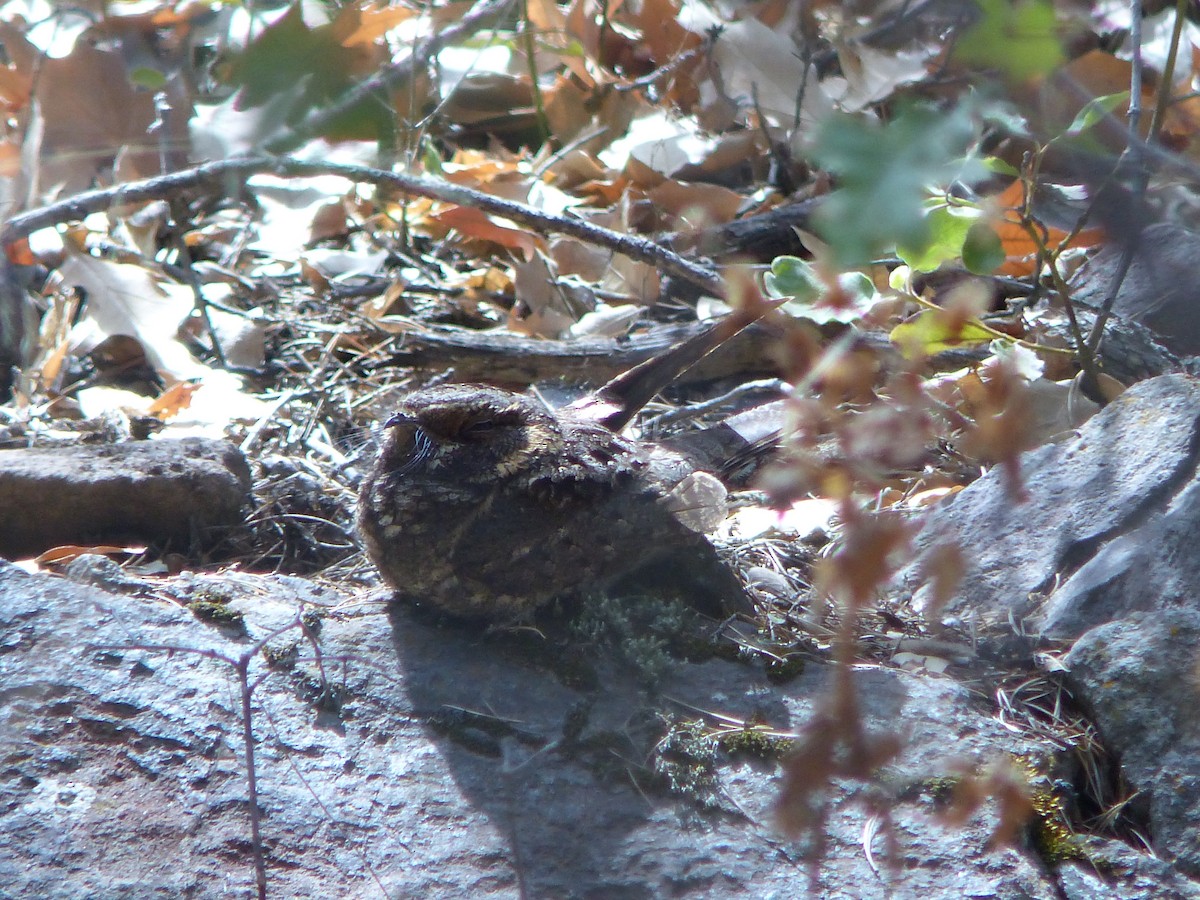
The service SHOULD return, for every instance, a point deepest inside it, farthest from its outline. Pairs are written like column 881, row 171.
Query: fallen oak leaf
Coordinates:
column 173, row 400
column 375, row 23
column 473, row 223
column 1020, row 248
column 65, row 553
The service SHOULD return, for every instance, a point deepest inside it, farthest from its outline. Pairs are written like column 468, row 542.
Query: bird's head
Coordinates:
column 468, row 433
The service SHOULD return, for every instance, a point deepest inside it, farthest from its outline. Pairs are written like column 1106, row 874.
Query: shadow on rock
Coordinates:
column 554, row 743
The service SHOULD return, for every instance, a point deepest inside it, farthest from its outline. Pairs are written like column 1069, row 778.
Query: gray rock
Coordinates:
column 1128, row 875
column 1088, row 500
column 1139, row 677
column 1159, row 290
column 148, row 491
column 454, row 763
column 1102, row 554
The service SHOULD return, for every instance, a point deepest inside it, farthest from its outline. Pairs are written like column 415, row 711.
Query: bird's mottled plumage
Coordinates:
column 485, row 504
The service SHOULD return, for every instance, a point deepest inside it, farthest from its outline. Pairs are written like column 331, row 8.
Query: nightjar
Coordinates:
column 485, row 504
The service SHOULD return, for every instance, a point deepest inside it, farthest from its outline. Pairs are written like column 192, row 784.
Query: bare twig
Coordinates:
column 1167, row 86
column 539, row 101
column 672, row 66
column 228, row 175
column 1136, row 160
column 240, row 665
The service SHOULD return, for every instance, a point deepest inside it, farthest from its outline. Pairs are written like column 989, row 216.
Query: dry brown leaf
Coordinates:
column 181, row 14
column 481, row 285
column 694, row 206
column 1099, row 74
column 173, row 400
column 476, row 224
column 544, row 307
column 574, row 257
column 19, row 253
column 545, row 15
column 65, row 553
column 15, row 88
column 604, row 192
column 23, row 55
column 126, row 299
column 91, row 111
column 606, row 321
column 314, row 277
column 375, row 22
column 638, row 282
column 329, row 221
column 361, row 58
column 1020, row 249
column 488, row 97
column 567, row 111
column 871, row 548
column 662, row 37
column 390, row 303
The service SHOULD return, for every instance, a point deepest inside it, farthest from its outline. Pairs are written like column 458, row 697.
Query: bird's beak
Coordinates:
column 399, row 418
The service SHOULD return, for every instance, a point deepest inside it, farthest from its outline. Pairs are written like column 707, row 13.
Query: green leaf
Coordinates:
column 1018, row 38
column 294, row 69
column 934, row 330
column 1095, row 111
column 997, row 166
column 431, row 159
column 792, row 277
column 883, row 173
column 948, row 228
column 150, row 79
column 982, row 249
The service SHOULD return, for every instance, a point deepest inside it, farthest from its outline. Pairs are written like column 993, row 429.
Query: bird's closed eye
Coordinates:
column 478, row 429
column 484, row 427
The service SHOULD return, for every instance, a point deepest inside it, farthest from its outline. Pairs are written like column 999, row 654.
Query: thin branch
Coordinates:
column 1167, row 86
column 241, row 665
column 229, row 175
column 1135, row 160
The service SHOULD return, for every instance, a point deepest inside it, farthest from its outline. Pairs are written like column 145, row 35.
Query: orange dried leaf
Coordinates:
column 173, row 400
column 64, row 553
column 1020, row 249
column 375, row 23
column 314, row 276
column 15, row 88
column 474, row 223
column 663, row 38
column 329, row 221
column 1099, row 74
column 696, row 206
column 19, row 253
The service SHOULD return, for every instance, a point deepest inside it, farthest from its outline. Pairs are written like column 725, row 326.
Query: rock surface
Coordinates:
column 456, row 765
column 1159, row 290
column 1101, row 561
column 1097, row 503
column 146, row 491
column 440, row 761
column 1139, row 675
